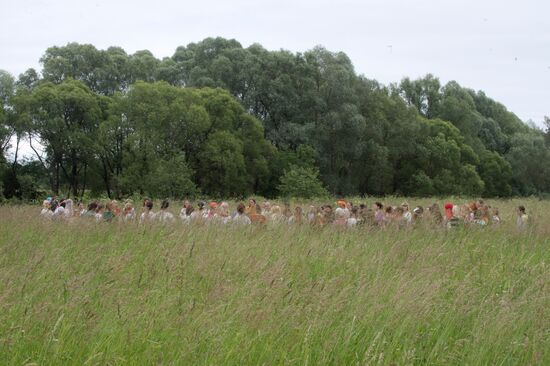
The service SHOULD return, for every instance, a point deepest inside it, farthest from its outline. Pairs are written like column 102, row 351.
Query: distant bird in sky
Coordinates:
column 515, row 58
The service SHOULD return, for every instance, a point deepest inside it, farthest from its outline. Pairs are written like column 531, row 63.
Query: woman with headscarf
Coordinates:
column 451, row 220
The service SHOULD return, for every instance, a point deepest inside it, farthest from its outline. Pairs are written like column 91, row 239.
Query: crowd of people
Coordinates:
column 343, row 214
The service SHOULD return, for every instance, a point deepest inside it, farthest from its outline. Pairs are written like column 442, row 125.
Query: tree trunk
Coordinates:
column 84, row 182
column 56, row 186
column 74, row 174
column 106, row 177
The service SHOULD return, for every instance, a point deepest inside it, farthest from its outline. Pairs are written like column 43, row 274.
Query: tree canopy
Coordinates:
column 222, row 120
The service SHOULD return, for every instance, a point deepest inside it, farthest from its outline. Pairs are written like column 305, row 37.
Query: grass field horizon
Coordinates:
column 87, row 293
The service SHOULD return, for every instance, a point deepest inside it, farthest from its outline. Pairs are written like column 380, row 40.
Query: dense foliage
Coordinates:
column 223, row 120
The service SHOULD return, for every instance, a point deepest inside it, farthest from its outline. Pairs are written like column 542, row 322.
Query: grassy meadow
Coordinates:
column 82, row 293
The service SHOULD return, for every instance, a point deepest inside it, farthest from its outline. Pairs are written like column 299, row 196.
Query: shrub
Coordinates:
column 302, row 182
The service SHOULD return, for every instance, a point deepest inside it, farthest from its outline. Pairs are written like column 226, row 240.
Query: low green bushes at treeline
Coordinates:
column 222, row 120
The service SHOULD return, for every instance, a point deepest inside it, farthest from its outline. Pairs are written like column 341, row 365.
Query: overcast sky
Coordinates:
column 499, row 46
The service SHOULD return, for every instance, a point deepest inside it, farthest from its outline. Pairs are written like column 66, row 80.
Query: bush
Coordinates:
column 301, row 182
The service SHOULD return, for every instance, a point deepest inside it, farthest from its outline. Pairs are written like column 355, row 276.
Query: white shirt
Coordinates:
column 59, row 211
column 241, row 219
column 408, row 217
column 165, row 217
column 46, row 213
column 130, row 215
column 185, row 218
column 147, row 216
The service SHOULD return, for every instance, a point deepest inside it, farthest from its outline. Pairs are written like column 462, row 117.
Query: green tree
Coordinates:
column 302, row 182
column 66, row 117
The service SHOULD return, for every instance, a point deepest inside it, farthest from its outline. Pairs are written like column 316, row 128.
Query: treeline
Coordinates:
column 222, row 120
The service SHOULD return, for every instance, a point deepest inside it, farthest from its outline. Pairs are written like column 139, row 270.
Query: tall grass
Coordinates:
column 95, row 294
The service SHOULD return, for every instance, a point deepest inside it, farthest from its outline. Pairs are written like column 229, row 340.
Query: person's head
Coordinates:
column 405, row 206
column 149, row 205
column 224, row 207
column 186, row 203
column 128, row 207
column 266, row 206
column 189, row 210
column 276, row 210
column 399, row 211
column 341, row 203
column 456, row 211
column 54, row 204
column 240, row 208
column 327, row 209
column 109, row 206
column 258, row 209
column 448, row 210
column 389, row 210
column 164, row 205
column 213, row 205
column 434, row 209
column 378, row 206
column 252, row 202
column 521, row 209
column 287, row 211
column 298, row 211
column 100, row 208
column 201, row 205
column 46, row 204
column 92, row 206
column 354, row 211
column 145, row 200
column 495, row 211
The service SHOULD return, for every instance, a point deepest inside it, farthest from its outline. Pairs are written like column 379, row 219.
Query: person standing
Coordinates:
column 241, row 218
column 164, row 216
column 522, row 219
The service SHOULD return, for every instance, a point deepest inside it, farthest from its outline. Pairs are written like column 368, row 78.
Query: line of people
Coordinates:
column 344, row 214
